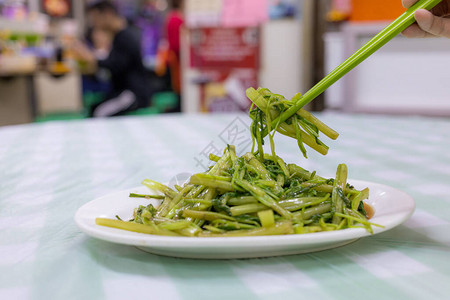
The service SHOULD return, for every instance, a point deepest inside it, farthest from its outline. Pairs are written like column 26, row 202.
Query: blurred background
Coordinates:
column 201, row 55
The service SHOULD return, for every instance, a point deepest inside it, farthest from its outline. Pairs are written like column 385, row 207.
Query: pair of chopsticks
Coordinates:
column 381, row 39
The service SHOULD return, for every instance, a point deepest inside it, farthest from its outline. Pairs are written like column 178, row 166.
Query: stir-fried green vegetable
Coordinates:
column 258, row 193
column 241, row 196
column 303, row 126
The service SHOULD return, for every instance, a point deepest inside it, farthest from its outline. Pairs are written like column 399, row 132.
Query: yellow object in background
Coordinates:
column 340, row 10
column 213, row 91
column 59, row 68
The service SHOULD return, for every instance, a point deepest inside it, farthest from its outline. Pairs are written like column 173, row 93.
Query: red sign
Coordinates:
column 224, row 48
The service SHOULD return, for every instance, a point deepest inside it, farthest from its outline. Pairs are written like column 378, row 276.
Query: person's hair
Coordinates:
column 102, row 7
column 176, row 4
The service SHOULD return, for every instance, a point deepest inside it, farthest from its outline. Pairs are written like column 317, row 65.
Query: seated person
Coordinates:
column 129, row 86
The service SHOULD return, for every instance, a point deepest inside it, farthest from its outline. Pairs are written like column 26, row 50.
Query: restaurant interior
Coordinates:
column 292, row 45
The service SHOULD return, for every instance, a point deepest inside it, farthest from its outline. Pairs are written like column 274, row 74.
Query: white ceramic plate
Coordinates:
column 392, row 207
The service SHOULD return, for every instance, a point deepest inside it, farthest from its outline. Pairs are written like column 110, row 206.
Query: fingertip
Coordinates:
column 422, row 15
column 408, row 32
column 408, row 3
column 405, row 34
column 414, row 31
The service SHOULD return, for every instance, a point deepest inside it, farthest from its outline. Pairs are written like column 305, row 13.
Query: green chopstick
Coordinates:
column 381, row 39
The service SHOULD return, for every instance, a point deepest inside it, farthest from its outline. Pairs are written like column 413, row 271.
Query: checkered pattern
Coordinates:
column 49, row 170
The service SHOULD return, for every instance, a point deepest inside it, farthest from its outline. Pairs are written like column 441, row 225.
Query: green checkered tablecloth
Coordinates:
column 49, row 170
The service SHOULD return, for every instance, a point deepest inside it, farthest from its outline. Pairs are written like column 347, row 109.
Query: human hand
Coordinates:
column 429, row 24
column 82, row 52
column 85, row 57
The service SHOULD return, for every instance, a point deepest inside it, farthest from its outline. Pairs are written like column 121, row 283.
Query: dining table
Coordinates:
column 49, row 170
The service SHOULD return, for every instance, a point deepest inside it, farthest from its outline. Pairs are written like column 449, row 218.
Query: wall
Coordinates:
column 282, row 53
column 407, row 76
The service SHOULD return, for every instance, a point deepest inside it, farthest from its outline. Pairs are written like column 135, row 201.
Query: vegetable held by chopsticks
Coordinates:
column 303, row 126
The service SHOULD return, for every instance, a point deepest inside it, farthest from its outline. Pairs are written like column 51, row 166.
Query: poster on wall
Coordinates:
column 57, row 8
column 224, row 47
column 227, row 60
